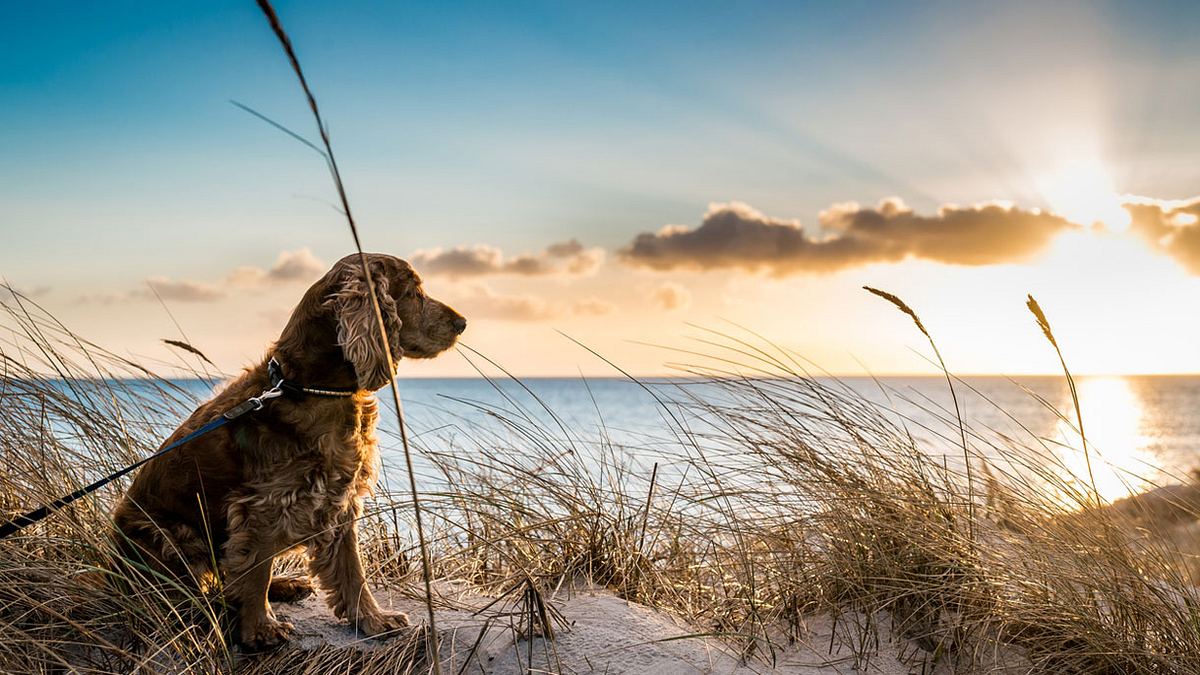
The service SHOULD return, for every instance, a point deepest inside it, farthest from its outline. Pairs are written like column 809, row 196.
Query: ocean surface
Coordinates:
column 1139, row 429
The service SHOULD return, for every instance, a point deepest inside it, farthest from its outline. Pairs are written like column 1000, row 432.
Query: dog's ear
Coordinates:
column 358, row 329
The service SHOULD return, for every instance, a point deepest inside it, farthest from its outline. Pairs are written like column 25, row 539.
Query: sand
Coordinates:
column 605, row 634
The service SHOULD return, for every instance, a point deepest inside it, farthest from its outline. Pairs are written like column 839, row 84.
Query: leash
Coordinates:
column 279, row 387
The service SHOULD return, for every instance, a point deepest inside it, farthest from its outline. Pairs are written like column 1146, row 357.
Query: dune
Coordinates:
column 606, row 634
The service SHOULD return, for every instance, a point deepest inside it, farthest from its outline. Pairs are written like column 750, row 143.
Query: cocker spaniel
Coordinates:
column 294, row 473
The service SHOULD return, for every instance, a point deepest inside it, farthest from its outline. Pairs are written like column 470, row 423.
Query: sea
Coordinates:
column 1140, row 431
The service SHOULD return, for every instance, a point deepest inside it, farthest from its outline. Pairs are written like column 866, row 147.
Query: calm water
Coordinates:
column 1136, row 426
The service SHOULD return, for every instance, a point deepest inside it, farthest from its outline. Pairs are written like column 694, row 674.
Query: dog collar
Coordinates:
column 290, row 388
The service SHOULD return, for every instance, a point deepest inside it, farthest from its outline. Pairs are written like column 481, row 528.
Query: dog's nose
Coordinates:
column 460, row 324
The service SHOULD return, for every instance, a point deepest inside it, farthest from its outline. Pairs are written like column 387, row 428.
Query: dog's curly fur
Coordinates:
column 293, row 474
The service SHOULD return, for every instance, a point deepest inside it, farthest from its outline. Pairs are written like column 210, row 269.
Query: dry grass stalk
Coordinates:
column 1044, row 324
column 962, row 429
column 336, row 175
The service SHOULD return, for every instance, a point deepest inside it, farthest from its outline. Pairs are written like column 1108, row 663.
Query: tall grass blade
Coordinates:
column 1044, row 324
column 962, row 427
column 426, row 563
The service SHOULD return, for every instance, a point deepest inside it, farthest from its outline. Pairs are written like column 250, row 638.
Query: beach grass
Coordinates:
column 772, row 497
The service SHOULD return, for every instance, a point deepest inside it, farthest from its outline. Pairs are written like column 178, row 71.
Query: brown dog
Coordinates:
column 294, row 473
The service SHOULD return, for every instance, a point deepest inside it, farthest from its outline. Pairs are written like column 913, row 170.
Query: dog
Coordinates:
column 293, row 474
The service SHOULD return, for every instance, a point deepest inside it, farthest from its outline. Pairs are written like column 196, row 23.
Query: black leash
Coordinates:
column 279, row 387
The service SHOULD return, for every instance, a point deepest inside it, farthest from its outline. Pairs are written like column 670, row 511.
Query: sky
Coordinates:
column 625, row 175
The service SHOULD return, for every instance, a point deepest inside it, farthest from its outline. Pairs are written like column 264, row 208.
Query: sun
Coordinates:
column 1113, row 417
column 1081, row 190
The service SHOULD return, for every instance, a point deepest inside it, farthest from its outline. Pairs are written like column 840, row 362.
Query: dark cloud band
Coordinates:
column 735, row 235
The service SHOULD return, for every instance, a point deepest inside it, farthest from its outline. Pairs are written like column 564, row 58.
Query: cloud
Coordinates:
column 1171, row 227
column 734, row 235
column 568, row 257
column 291, row 266
column 108, row 297
column 477, row 301
column 592, row 307
column 170, row 290
column 181, row 290
column 671, row 296
column 480, row 302
column 9, row 292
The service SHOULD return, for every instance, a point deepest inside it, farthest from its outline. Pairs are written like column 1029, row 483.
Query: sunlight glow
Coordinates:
column 1082, row 191
column 1112, row 420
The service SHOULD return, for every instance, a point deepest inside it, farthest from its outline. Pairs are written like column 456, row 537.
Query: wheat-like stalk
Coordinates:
column 1044, row 324
column 962, row 428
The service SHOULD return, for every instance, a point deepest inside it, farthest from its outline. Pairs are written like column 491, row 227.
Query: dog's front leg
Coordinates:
column 247, row 566
column 335, row 562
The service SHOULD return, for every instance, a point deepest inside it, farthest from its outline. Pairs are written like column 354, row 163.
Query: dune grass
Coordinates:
column 771, row 498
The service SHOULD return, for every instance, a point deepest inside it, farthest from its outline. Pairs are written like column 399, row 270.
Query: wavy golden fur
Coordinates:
column 293, row 474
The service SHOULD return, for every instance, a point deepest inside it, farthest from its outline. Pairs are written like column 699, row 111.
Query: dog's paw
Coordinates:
column 383, row 624
column 266, row 635
column 290, row 589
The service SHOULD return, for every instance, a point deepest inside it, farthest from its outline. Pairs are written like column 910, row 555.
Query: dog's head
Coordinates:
column 417, row 326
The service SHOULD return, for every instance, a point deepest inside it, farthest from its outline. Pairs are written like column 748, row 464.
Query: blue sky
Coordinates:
column 518, row 125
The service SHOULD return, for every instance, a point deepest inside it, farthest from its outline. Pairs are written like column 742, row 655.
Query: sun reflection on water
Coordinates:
column 1113, row 417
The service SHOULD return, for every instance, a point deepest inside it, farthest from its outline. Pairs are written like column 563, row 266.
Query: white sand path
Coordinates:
column 609, row 635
